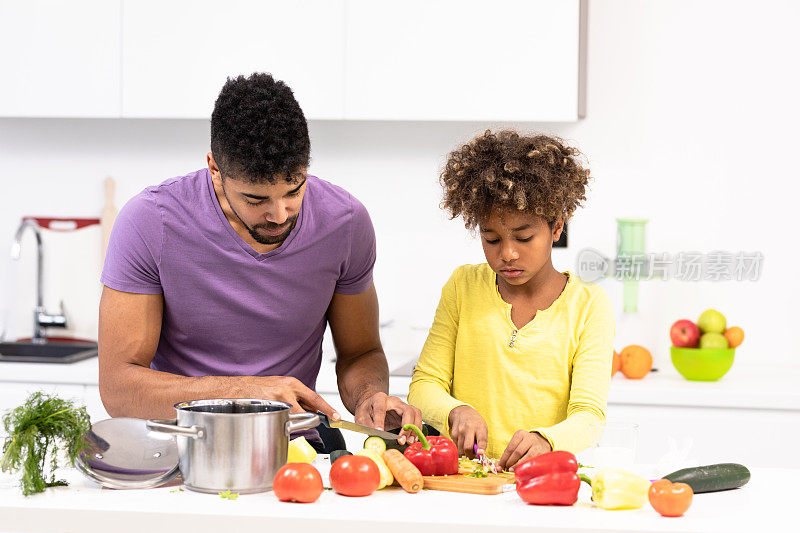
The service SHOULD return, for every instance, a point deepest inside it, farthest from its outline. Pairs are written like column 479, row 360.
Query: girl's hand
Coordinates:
column 523, row 446
column 467, row 427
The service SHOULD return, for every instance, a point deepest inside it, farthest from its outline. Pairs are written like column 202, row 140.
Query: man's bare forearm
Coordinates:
column 135, row 391
column 362, row 376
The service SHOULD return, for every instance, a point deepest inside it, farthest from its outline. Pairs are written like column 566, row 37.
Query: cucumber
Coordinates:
column 389, row 444
column 712, row 478
column 376, row 444
column 335, row 454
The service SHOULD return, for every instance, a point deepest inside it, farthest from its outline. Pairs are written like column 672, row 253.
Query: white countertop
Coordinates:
column 80, row 373
column 744, row 387
column 85, row 507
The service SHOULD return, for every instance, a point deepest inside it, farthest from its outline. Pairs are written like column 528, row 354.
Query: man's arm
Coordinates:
column 130, row 327
column 361, row 369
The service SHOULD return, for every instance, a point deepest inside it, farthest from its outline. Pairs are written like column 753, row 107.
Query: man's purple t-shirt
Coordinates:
column 229, row 310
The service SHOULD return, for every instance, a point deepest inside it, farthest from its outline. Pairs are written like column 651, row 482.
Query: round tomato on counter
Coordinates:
column 297, row 482
column 355, row 475
column 670, row 499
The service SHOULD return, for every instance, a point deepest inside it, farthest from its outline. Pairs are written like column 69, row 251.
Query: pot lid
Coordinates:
column 124, row 454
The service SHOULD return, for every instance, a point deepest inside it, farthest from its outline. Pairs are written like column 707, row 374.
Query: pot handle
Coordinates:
column 171, row 427
column 301, row 421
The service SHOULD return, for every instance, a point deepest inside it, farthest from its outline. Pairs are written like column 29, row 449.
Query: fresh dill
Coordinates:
column 37, row 430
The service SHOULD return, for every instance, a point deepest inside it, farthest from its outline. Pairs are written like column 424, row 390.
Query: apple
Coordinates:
column 684, row 334
column 711, row 321
column 713, row 340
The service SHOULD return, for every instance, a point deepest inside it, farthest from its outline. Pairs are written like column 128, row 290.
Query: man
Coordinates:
column 220, row 283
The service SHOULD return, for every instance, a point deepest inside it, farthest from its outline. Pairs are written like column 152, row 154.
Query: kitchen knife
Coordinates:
column 352, row 426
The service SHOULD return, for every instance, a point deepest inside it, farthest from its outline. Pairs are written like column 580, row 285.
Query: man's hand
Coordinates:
column 292, row 391
column 523, row 446
column 381, row 411
column 467, row 427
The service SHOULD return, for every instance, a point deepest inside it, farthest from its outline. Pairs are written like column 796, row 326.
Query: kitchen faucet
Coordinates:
column 41, row 319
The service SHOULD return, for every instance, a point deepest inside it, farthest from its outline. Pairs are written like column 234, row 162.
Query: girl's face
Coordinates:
column 517, row 245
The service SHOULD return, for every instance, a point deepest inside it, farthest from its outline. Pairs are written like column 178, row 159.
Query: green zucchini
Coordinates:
column 391, row 444
column 376, row 444
column 335, row 454
column 712, row 478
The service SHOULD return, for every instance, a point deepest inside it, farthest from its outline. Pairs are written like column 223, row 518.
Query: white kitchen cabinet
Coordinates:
column 176, row 55
column 463, row 60
column 60, row 58
column 514, row 60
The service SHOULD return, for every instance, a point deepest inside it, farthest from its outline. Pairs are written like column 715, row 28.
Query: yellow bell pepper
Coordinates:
column 386, row 474
column 613, row 489
column 300, row 451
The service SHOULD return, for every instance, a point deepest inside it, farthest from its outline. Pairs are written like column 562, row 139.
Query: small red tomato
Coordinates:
column 670, row 499
column 355, row 475
column 297, row 482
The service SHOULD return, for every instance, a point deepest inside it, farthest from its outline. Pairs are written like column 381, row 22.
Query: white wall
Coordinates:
column 692, row 122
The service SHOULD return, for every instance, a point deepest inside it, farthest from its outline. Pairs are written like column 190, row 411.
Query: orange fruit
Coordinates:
column 616, row 362
column 636, row 361
column 734, row 335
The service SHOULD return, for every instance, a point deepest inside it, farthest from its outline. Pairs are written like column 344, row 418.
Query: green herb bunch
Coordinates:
column 36, row 431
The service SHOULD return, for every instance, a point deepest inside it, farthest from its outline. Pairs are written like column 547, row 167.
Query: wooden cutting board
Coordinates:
column 493, row 484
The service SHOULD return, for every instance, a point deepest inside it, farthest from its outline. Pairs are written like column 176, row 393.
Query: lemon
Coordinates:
column 300, row 451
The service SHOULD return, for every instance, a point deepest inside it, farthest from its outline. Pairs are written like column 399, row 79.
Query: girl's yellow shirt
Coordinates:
column 550, row 376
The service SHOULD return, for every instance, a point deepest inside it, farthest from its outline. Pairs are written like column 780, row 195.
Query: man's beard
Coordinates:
column 262, row 238
column 259, row 237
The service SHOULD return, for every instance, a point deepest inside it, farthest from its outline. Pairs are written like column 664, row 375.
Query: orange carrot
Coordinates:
column 403, row 470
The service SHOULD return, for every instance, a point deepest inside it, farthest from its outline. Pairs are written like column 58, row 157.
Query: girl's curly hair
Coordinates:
column 537, row 174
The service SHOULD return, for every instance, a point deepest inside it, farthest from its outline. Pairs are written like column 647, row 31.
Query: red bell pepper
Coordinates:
column 549, row 479
column 433, row 456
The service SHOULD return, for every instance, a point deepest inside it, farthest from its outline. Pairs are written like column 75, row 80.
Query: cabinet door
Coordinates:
column 60, row 58
column 177, row 54
column 462, row 60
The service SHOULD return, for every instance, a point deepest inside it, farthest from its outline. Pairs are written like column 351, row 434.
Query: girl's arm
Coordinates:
column 591, row 376
column 431, row 385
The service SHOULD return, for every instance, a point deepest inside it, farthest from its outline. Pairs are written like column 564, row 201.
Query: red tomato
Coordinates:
column 355, row 475
column 670, row 499
column 297, row 482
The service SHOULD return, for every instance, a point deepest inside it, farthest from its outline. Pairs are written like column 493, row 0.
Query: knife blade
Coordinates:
column 352, row 426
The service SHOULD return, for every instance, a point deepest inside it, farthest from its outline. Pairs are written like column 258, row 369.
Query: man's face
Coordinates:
column 268, row 210
column 517, row 245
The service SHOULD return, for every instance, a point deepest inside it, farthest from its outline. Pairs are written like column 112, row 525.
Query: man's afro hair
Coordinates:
column 258, row 131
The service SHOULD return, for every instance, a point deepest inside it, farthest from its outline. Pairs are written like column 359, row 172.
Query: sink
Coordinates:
column 47, row 352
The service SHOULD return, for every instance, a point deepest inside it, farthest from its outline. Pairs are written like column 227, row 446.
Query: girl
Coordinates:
column 518, row 359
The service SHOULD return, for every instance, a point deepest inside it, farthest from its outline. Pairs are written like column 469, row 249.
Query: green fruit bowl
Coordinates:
column 702, row 364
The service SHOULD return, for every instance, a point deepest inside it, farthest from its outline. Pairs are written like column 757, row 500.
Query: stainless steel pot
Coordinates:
column 232, row 444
